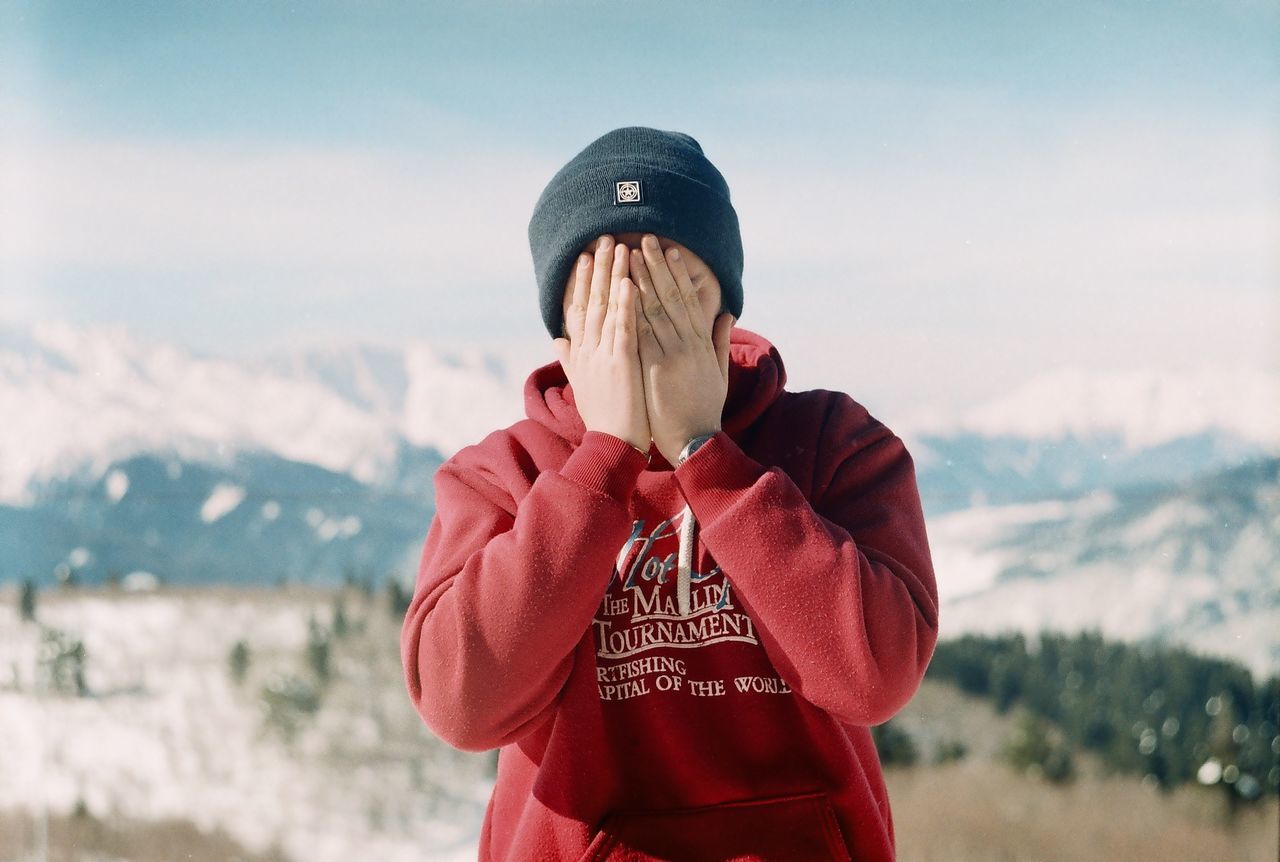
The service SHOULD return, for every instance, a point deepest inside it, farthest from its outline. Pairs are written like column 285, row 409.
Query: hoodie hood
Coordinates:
column 756, row 379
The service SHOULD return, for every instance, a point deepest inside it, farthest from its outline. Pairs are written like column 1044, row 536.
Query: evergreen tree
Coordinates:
column 340, row 624
column 318, row 651
column 28, row 602
column 399, row 598
column 1224, row 748
column 1146, row 708
column 239, row 660
column 895, row 746
column 62, row 661
column 949, row 750
column 1037, row 748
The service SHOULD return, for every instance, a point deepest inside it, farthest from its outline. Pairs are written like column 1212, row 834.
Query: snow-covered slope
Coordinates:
column 121, row 455
column 77, row 396
column 165, row 731
column 1140, row 408
column 1195, row 564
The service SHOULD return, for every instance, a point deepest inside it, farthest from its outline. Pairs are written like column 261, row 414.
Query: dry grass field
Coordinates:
column 981, row 811
column 966, row 811
column 72, row 838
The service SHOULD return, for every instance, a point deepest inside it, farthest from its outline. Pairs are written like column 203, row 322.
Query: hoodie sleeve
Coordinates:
column 504, row 593
column 842, row 590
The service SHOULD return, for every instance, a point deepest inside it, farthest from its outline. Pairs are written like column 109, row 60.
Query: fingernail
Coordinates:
column 675, row 254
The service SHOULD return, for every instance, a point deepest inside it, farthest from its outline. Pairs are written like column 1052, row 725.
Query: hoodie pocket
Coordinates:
column 800, row 827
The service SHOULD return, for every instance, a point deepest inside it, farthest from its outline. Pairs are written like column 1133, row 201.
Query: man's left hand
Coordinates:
column 685, row 364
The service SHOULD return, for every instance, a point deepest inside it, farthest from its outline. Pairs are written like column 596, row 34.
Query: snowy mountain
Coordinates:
column 258, row 519
column 1195, row 563
column 336, row 767
column 311, row 464
column 1141, row 409
column 78, row 400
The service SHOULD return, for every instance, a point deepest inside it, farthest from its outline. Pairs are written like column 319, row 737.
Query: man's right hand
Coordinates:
column 601, row 356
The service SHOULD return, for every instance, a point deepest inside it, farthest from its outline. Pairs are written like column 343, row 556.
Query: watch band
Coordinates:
column 692, row 446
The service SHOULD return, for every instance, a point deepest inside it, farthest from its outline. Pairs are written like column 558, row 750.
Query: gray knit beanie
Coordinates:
column 635, row 179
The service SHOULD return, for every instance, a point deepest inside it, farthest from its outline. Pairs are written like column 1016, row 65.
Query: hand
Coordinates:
column 684, row 362
column 600, row 357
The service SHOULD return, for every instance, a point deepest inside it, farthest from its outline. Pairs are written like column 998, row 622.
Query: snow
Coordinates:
column 90, row 395
column 968, row 546
column 94, row 394
column 117, row 485
column 139, row 581
column 222, row 499
column 1144, row 407
column 169, row 734
column 1225, row 603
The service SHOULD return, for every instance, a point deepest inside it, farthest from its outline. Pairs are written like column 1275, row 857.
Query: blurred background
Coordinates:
column 263, row 267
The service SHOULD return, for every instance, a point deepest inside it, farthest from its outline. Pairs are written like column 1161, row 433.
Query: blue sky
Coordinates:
column 938, row 200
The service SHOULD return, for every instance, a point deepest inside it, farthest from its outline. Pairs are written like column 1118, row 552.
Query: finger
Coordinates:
column 560, row 346
column 624, row 337
column 609, row 329
column 721, row 330
column 659, row 325
column 688, row 294
column 598, row 297
column 576, row 313
column 647, row 345
column 666, row 287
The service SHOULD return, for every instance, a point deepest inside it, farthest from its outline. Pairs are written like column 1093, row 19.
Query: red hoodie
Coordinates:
column 546, row 621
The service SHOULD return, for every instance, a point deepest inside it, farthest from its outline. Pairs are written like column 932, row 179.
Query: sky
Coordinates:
column 937, row 201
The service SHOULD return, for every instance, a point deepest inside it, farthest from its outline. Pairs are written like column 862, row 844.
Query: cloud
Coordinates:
column 971, row 188
column 967, row 220
column 980, row 195
column 174, row 206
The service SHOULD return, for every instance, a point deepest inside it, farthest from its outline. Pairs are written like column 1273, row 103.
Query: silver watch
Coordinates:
column 692, row 446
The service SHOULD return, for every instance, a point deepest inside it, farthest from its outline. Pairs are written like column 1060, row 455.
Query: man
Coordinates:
column 676, row 596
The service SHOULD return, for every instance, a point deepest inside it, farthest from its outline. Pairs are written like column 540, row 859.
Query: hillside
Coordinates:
column 317, row 754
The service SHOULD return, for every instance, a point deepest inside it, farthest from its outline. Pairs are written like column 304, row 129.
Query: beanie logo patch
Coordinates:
column 626, row 192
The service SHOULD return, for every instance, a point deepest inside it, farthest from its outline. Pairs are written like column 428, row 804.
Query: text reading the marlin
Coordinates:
column 691, row 633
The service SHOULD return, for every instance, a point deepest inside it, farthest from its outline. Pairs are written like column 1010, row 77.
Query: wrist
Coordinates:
column 693, row 444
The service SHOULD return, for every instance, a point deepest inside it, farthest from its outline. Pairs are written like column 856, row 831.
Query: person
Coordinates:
column 676, row 596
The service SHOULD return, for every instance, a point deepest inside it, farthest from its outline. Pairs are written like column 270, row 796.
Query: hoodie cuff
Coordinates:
column 716, row 475
column 605, row 463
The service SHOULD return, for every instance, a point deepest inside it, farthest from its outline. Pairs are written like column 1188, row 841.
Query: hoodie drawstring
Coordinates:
column 683, row 578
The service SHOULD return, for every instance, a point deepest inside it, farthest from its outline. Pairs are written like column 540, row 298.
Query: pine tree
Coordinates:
column 239, row 660
column 1037, row 748
column 1224, row 748
column 894, row 746
column 28, row 603
column 399, row 598
column 340, row 624
column 318, row 651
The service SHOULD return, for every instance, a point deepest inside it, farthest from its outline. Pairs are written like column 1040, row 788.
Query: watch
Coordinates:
column 692, row 446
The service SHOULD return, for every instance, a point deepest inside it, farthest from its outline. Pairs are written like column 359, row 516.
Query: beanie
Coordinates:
column 635, row 179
